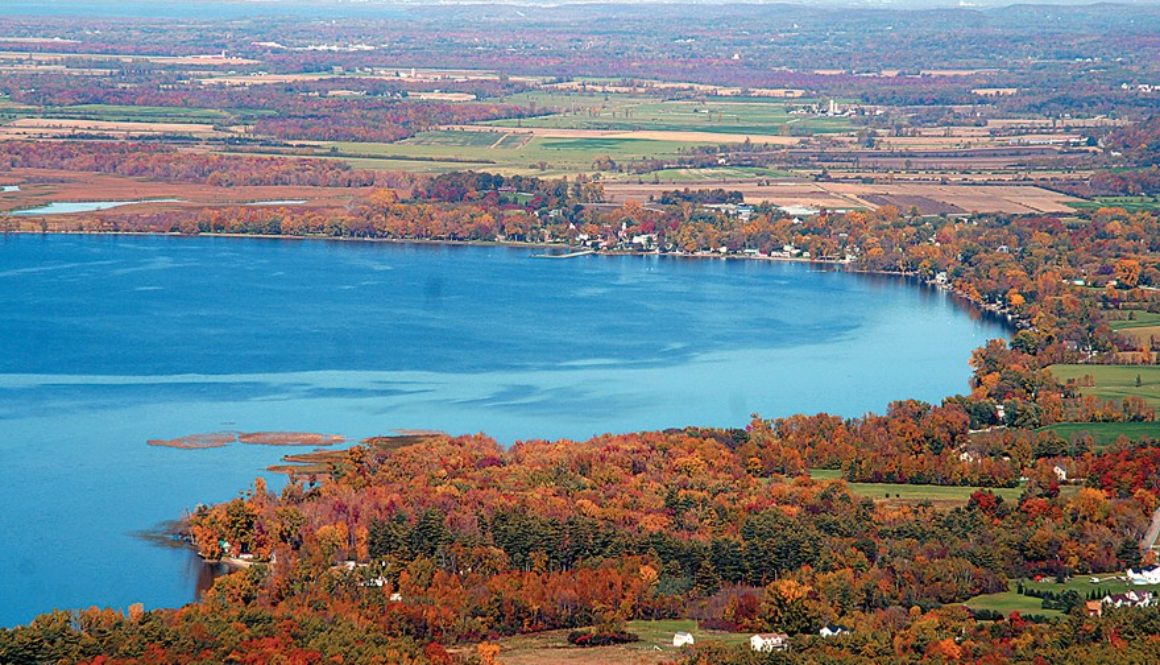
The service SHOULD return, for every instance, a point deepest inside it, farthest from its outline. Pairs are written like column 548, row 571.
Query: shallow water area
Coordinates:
column 73, row 207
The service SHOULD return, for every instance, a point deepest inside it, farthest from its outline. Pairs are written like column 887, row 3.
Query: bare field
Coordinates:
column 928, row 198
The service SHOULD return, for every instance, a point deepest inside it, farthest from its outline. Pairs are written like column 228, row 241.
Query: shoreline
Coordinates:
column 1013, row 322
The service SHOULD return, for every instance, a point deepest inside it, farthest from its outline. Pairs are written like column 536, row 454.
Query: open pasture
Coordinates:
column 1129, row 203
column 1104, row 434
column 681, row 136
column 939, row 495
column 624, row 112
column 505, row 152
column 1136, row 319
column 1115, row 382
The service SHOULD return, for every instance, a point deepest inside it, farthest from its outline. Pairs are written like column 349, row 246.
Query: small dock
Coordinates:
column 569, row 255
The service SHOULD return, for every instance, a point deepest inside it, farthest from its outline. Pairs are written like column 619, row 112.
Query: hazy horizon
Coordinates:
column 124, row 6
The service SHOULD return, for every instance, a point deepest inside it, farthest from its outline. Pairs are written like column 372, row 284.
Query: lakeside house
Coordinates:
column 769, row 642
column 682, row 638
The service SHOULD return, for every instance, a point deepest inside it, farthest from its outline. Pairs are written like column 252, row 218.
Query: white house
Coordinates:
column 767, row 642
column 645, row 240
column 833, row 630
column 1149, row 575
column 1131, row 599
column 682, row 638
column 1060, row 473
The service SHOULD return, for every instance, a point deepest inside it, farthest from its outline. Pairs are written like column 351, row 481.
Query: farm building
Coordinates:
column 1149, row 575
column 682, row 638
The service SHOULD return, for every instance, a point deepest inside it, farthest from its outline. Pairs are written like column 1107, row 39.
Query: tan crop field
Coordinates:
column 928, row 198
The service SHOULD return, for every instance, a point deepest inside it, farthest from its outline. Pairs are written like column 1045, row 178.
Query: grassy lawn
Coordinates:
column 1104, row 434
column 655, row 645
column 1115, row 382
column 903, row 493
column 1010, row 601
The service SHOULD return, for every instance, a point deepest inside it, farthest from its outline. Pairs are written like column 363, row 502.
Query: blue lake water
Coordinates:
column 106, row 342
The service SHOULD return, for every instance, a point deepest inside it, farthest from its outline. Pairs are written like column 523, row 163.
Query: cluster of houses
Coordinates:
column 1118, row 600
column 1141, row 87
column 765, row 642
column 1147, row 576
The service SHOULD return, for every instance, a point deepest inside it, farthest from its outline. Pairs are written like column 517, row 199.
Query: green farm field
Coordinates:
column 1115, row 382
column 633, row 113
column 1104, row 434
column 1139, row 319
column 906, row 493
column 502, row 152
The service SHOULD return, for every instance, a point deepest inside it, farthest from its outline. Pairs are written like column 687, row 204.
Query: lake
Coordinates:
column 109, row 341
